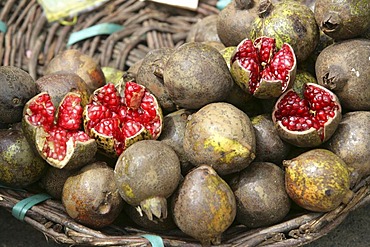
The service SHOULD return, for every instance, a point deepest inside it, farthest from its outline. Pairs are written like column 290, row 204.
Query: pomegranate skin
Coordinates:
column 344, row 68
column 352, row 144
column 91, row 197
column 290, row 22
column 318, row 180
column 310, row 137
column 204, row 205
column 221, row 135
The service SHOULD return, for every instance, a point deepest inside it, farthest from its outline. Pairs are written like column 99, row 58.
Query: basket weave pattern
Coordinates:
column 31, row 42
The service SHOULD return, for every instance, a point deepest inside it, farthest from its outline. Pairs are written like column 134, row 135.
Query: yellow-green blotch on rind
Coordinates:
column 230, row 149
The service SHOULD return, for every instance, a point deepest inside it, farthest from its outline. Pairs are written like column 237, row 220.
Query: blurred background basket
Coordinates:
column 30, row 42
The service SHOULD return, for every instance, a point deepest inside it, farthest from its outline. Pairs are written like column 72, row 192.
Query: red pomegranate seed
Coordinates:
column 312, row 111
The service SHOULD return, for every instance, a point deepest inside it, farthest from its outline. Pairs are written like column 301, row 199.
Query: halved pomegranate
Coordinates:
column 262, row 70
column 57, row 133
column 117, row 116
column 307, row 118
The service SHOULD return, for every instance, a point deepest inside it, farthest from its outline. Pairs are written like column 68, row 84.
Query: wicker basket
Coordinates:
column 31, row 42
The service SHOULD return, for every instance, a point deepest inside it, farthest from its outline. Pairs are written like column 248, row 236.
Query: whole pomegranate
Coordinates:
column 120, row 115
column 269, row 146
column 74, row 61
column 90, row 196
column 290, row 22
column 17, row 87
column 343, row 67
column 174, row 125
column 204, row 30
column 260, row 194
column 318, row 180
column 192, row 72
column 20, row 166
column 204, row 205
column 307, row 116
column 351, row 143
column 146, row 174
column 150, row 75
column 221, row 135
column 56, row 131
column 262, row 70
column 234, row 21
column 342, row 19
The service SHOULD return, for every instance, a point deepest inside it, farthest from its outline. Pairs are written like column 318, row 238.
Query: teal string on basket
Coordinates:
column 20, row 209
column 98, row 29
column 155, row 241
column 3, row 27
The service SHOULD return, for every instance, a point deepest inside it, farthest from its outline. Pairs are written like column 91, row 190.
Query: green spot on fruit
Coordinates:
column 128, row 191
column 230, row 149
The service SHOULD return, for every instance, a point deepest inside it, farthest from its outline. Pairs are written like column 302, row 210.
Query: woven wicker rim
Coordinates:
column 50, row 218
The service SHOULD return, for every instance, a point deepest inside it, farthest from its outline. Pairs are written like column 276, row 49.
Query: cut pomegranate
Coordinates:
column 262, row 70
column 117, row 118
column 309, row 119
column 57, row 133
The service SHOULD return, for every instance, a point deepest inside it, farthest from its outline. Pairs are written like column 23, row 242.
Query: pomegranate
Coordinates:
column 204, row 30
column 343, row 67
column 59, row 84
column 234, row 21
column 307, row 117
column 204, row 205
column 318, row 180
column 342, row 19
column 196, row 74
column 118, row 116
column 262, row 70
column 222, row 136
column 261, row 198
column 147, row 174
column 17, row 87
column 56, row 133
column 290, row 22
column 90, row 196
column 19, row 165
column 74, row 61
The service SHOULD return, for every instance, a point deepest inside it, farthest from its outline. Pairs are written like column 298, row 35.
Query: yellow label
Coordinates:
column 58, row 10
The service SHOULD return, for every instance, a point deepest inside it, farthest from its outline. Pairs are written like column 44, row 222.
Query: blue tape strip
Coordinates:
column 3, row 27
column 99, row 29
column 155, row 241
column 20, row 209
column 221, row 4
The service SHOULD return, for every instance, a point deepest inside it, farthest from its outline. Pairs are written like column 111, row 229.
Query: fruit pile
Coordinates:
column 263, row 112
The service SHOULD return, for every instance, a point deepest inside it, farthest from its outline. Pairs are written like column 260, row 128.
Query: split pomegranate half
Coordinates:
column 307, row 118
column 262, row 70
column 118, row 116
column 56, row 133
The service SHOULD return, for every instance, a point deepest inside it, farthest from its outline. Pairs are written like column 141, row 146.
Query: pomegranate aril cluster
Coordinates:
column 42, row 111
column 263, row 61
column 314, row 110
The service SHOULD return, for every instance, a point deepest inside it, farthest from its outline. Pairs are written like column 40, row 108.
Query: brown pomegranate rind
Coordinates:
column 311, row 137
